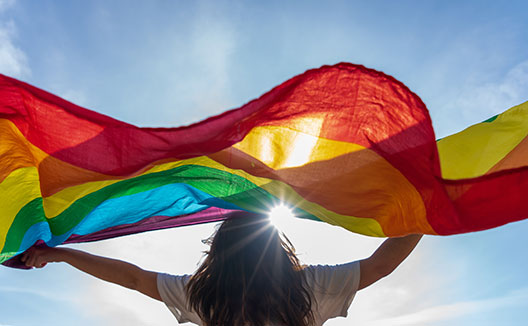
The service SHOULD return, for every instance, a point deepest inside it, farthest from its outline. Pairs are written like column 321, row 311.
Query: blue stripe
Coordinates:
column 169, row 200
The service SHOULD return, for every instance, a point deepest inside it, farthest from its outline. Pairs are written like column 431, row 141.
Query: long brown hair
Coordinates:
column 250, row 276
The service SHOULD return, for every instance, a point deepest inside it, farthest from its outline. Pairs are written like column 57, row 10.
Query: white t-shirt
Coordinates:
column 333, row 287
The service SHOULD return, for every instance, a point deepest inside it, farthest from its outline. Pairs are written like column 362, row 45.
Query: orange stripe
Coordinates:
column 15, row 151
column 516, row 158
column 348, row 180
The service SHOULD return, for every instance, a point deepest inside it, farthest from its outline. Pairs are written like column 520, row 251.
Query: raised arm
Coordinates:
column 386, row 258
column 107, row 269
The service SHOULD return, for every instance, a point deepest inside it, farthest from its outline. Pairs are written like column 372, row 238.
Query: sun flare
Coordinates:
column 280, row 214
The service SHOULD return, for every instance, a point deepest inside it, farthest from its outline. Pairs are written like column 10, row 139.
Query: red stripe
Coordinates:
column 348, row 96
column 487, row 202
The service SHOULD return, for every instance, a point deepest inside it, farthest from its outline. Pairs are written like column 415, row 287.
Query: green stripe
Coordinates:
column 32, row 213
column 221, row 184
column 491, row 119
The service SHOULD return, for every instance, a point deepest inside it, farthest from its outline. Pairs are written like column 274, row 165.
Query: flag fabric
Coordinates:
column 342, row 144
column 485, row 173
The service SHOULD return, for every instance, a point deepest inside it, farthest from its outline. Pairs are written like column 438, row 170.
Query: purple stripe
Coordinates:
column 212, row 214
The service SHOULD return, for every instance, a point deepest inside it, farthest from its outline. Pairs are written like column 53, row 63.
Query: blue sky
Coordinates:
column 169, row 63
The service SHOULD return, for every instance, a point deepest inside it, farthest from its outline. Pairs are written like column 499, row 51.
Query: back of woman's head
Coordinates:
column 250, row 276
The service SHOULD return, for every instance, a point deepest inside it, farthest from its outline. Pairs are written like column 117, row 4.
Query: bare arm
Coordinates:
column 386, row 258
column 107, row 269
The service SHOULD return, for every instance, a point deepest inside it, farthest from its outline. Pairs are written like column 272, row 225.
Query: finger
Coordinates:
column 27, row 253
column 28, row 262
column 31, row 260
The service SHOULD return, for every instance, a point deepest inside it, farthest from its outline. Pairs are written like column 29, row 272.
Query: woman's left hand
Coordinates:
column 38, row 257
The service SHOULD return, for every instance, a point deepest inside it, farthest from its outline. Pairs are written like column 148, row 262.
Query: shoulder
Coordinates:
column 171, row 285
column 333, row 288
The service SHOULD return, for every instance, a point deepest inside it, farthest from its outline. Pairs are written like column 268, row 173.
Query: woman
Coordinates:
column 250, row 276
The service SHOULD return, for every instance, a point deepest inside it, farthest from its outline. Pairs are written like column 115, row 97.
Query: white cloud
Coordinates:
column 13, row 60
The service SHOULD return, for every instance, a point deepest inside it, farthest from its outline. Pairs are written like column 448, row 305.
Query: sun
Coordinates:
column 280, row 215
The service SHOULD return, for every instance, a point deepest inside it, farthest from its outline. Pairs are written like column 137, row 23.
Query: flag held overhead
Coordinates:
column 341, row 144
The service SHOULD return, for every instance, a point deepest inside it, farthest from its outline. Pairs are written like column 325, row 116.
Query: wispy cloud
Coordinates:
column 491, row 98
column 13, row 60
column 476, row 101
column 455, row 310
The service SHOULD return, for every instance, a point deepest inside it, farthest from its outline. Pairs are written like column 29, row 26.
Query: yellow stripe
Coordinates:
column 475, row 150
column 18, row 189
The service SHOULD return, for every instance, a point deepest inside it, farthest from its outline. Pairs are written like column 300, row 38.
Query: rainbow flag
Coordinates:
column 341, row 144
